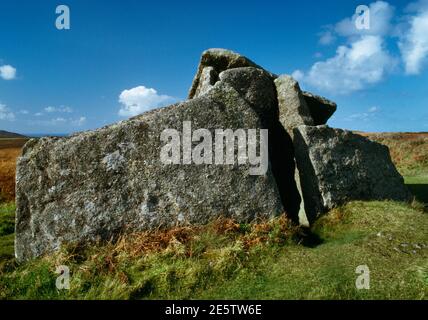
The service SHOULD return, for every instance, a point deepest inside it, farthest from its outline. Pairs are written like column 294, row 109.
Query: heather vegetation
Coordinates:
column 263, row 260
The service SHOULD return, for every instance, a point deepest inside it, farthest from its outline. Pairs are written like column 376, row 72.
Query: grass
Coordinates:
column 9, row 151
column 7, row 225
column 418, row 185
column 327, row 271
column 225, row 260
column 409, row 151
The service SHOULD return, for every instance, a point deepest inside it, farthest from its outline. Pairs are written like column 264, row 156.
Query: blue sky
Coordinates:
column 124, row 57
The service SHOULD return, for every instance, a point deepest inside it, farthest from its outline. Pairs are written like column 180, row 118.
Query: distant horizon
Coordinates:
column 119, row 59
column 64, row 134
column 38, row 135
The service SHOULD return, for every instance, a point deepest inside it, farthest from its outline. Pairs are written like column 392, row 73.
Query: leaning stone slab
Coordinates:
column 337, row 166
column 320, row 108
column 220, row 60
column 207, row 79
column 293, row 110
column 97, row 184
column 256, row 87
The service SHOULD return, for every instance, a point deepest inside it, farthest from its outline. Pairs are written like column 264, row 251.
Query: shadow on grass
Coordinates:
column 420, row 191
column 308, row 238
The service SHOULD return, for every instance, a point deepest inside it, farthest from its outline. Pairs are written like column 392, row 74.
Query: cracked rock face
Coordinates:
column 219, row 60
column 97, row 184
column 256, row 87
column 207, row 79
column 293, row 110
column 337, row 166
column 320, row 108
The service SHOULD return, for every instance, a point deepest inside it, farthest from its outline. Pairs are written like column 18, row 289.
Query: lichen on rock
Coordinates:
column 99, row 184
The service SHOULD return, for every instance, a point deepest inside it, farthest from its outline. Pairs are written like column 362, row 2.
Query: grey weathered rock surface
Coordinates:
column 337, row 166
column 293, row 110
column 256, row 87
column 320, row 108
column 96, row 184
column 300, row 108
column 220, row 60
column 207, row 79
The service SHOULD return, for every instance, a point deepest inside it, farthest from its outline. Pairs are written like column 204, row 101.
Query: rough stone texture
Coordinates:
column 220, row 60
column 293, row 110
column 337, row 166
column 320, row 108
column 256, row 87
column 300, row 108
column 97, row 184
column 207, row 80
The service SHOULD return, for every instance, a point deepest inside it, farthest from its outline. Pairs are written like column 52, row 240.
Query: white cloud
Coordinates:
column 363, row 58
column 298, row 75
column 140, row 99
column 58, row 120
column 363, row 62
column 358, row 116
column 326, row 38
column 381, row 14
column 373, row 109
column 420, row 5
column 5, row 113
column 79, row 122
column 64, row 122
column 62, row 109
column 413, row 43
column 50, row 109
column 7, row 72
column 370, row 114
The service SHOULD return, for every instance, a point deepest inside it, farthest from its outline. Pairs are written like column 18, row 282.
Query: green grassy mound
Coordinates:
column 225, row 260
column 7, row 226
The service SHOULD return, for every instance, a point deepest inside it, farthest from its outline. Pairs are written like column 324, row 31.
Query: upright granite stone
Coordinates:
column 293, row 110
column 220, row 60
column 320, row 108
column 256, row 87
column 337, row 166
column 207, row 80
column 98, row 184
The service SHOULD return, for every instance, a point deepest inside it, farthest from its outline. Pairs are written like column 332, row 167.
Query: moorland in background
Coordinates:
column 226, row 260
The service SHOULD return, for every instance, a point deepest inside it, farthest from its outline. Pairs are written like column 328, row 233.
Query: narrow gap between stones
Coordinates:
column 281, row 154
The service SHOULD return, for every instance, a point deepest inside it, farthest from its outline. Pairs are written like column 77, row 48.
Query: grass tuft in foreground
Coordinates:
column 409, row 151
column 226, row 260
column 7, row 226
